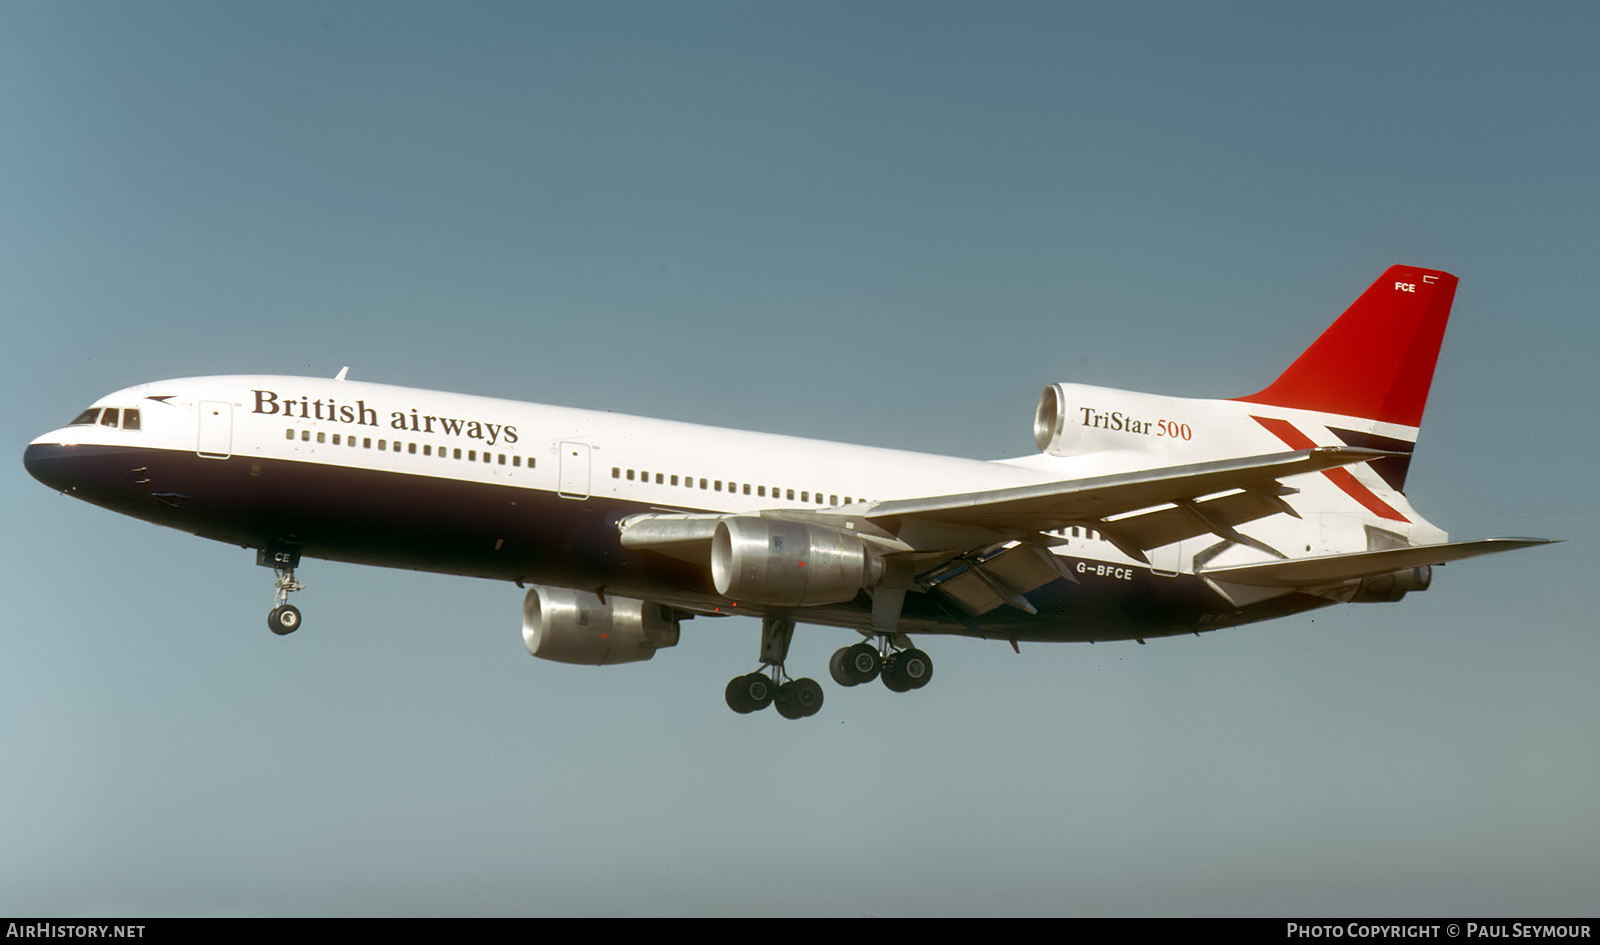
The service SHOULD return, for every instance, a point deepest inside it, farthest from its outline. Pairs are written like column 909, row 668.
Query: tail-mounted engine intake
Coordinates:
column 575, row 627
column 766, row 561
column 1388, row 588
column 1049, row 419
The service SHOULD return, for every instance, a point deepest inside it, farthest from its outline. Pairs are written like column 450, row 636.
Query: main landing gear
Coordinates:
column 794, row 698
column 284, row 617
column 902, row 668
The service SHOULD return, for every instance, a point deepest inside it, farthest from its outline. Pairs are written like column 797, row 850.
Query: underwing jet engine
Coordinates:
column 791, row 564
column 570, row 626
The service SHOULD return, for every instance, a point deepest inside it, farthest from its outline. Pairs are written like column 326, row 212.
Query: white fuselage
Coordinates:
column 396, row 476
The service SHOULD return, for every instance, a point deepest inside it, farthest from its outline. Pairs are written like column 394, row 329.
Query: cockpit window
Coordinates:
column 108, row 417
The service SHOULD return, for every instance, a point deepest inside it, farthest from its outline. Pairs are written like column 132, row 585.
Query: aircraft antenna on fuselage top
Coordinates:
column 342, row 372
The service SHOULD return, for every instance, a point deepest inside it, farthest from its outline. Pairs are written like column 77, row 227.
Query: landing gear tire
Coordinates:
column 907, row 670
column 854, row 665
column 750, row 693
column 893, row 679
column 863, row 662
column 800, row 698
column 284, row 619
column 836, row 668
column 917, row 668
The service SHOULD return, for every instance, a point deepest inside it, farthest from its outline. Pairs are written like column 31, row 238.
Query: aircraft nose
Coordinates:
column 48, row 462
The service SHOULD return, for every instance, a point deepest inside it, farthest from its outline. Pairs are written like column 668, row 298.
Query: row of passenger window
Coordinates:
column 397, row 446
column 736, row 488
column 109, row 417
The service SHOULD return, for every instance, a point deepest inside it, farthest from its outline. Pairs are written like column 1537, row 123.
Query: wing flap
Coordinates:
column 1163, row 526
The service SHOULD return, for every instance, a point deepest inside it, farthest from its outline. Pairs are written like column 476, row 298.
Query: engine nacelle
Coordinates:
column 1388, row 588
column 765, row 561
column 570, row 626
column 1079, row 418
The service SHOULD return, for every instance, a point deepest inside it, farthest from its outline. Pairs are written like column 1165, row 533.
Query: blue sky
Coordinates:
column 887, row 223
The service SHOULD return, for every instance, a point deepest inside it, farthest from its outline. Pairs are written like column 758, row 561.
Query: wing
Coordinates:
column 1136, row 511
column 1156, row 506
column 1051, row 504
column 985, row 549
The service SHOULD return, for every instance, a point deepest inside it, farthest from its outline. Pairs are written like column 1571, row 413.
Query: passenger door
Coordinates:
column 574, row 476
column 215, row 439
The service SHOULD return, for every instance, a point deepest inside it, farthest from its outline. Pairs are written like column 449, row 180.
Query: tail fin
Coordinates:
column 1376, row 361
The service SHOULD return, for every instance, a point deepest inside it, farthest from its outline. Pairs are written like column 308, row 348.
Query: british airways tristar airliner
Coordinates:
column 1141, row 516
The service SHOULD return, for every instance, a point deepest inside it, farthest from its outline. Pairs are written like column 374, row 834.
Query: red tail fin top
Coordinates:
column 1377, row 360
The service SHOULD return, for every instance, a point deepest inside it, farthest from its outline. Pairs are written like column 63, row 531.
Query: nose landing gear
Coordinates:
column 284, row 617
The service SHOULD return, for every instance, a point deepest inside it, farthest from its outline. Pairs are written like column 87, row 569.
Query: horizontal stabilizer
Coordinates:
column 1335, row 569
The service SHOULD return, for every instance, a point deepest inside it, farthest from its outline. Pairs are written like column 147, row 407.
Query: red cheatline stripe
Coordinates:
column 1341, row 477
